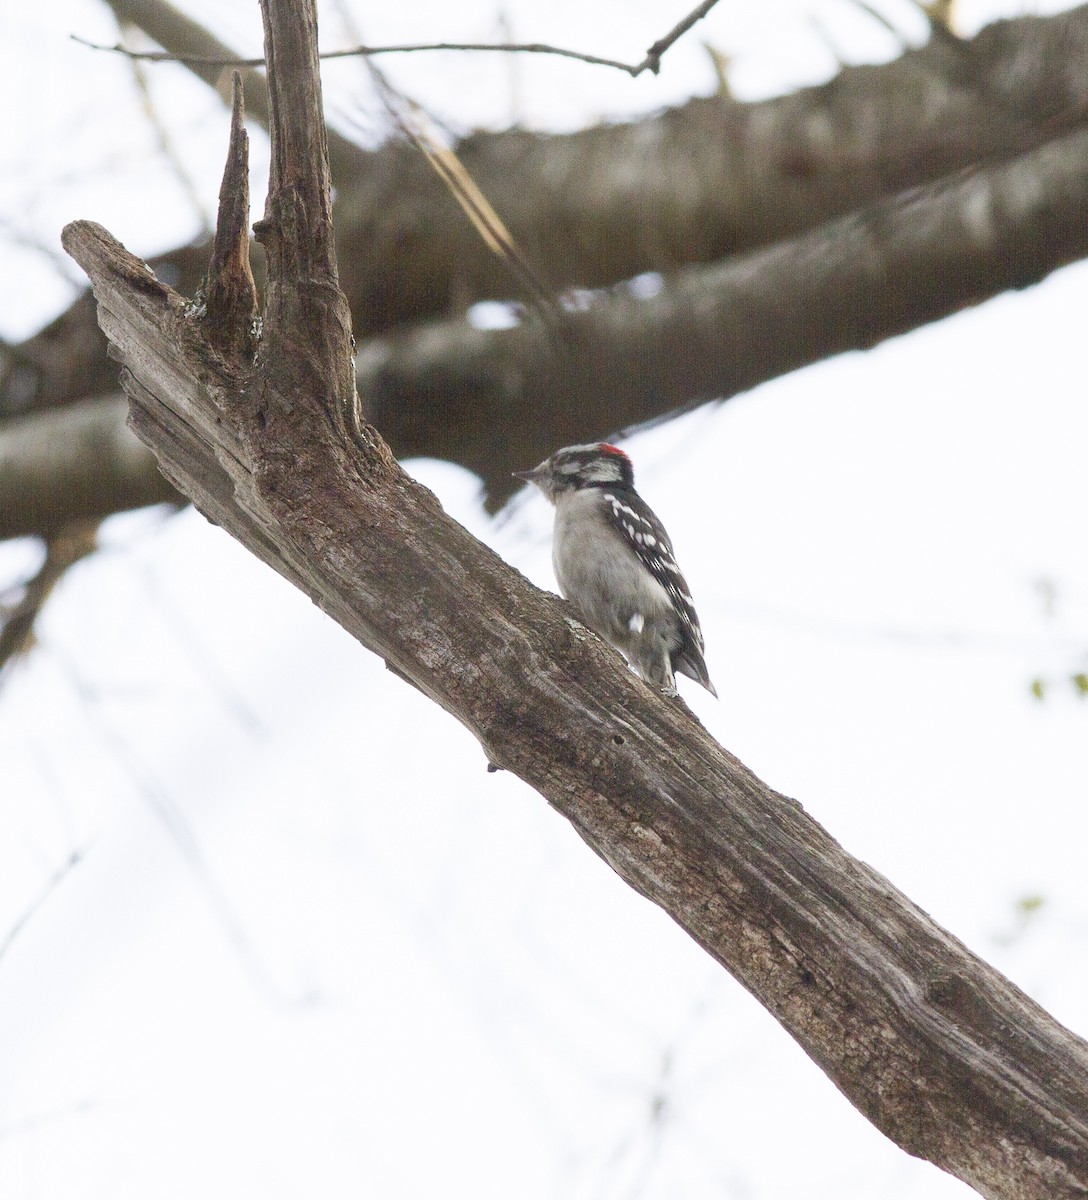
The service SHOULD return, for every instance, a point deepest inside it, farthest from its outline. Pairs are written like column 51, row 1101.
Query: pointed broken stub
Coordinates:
column 230, row 310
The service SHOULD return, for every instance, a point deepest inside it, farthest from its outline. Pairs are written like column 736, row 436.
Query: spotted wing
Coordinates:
column 647, row 537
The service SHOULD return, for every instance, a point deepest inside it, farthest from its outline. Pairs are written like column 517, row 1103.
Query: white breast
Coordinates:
column 599, row 572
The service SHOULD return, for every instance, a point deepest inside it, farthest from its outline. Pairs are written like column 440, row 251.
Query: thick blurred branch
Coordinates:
column 712, row 178
column 714, row 331
column 444, row 389
column 784, row 231
column 935, row 1047
column 68, row 464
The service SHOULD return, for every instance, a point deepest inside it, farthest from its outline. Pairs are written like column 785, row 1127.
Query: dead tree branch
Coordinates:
column 935, row 1047
column 230, row 306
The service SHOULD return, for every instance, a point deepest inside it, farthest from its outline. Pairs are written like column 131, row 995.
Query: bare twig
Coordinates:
column 479, row 210
column 876, row 15
column 416, row 124
column 169, row 150
column 55, row 880
column 367, row 51
column 63, row 549
column 651, row 63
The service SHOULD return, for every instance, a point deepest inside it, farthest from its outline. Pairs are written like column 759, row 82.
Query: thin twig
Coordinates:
column 55, row 880
column 876, row 15
column 652, row 61
column 200, row 60
column 413, row 122
column 169, row 150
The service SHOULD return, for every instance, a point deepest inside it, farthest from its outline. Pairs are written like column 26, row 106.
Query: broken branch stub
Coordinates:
column 230, row 307
column 305, row 309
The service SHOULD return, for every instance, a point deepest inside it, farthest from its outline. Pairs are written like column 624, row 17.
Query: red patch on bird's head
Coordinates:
column 608, row 448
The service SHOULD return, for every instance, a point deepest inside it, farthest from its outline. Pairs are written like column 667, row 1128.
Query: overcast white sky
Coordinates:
column 311, row 947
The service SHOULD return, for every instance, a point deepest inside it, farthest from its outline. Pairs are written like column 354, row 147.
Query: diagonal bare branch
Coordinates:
column 51, row 885
column 936, row 1048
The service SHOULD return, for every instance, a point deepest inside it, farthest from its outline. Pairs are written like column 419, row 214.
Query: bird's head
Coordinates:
column 597, row 465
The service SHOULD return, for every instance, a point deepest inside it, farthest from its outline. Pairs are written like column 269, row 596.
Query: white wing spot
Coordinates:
column 619, row 507
column 636, row 623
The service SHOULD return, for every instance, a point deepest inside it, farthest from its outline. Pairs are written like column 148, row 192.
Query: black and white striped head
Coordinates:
column 596, row 465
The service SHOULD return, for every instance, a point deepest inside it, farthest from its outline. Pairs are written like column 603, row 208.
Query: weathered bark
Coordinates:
column 940, row 1051
column 230, row 299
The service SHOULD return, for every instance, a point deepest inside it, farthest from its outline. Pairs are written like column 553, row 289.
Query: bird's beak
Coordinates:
column 528, row 476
